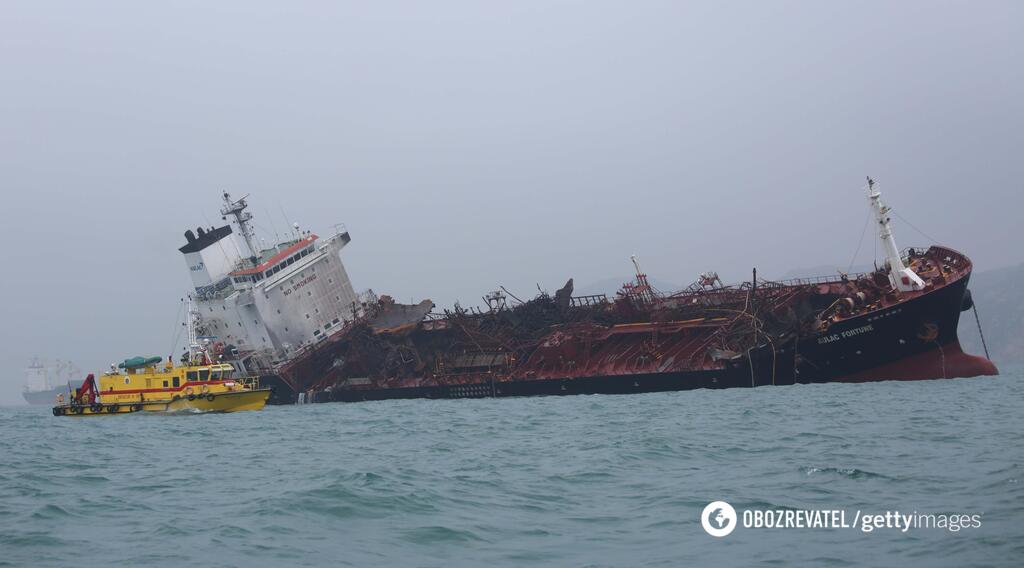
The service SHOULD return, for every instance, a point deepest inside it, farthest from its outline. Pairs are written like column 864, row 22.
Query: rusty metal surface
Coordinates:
column 705, row 326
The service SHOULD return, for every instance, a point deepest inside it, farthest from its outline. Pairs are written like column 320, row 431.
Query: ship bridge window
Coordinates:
column 192, row 376
column 215, row 375
column 204, row 374
column 175, row 381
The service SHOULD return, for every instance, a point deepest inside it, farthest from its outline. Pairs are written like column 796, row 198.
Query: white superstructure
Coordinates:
column 272, row 301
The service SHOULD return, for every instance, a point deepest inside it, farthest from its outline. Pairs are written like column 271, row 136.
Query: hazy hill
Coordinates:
column 609, row 286
column 823, row 270
column 997, row 295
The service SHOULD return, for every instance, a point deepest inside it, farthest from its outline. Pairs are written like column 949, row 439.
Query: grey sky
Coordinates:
column 471, row 144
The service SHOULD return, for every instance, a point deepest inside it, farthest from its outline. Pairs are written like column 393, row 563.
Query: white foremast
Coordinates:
column 901, row 276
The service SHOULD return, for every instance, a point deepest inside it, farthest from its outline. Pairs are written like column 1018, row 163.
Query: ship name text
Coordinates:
column 848, row 333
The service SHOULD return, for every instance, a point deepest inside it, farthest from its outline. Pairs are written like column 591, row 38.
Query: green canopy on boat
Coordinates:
column 139, row 362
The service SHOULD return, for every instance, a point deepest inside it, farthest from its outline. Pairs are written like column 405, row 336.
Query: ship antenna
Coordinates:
column 236, row 208
column 902, row 277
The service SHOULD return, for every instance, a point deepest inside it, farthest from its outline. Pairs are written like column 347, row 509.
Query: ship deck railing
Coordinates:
column 803, row 281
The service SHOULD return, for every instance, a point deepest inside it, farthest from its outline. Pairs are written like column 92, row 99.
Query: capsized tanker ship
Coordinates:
column 315, row 340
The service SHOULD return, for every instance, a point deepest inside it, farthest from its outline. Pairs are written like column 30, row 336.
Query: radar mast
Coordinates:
column 236, row 208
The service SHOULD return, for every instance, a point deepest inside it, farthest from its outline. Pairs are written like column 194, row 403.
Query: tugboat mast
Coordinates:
column 901, row 276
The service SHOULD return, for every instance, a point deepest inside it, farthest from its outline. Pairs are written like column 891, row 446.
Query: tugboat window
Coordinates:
column 165, row 384
column 192, row 376
column 215, row 376
column 204, row 375
column 175, row 381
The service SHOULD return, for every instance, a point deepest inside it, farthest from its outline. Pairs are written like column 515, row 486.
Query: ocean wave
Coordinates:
column 597, row 480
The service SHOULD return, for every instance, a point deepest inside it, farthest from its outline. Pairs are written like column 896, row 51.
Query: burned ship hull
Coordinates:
column 845, row 329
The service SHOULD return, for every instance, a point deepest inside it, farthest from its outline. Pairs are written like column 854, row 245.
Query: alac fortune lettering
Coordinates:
column 848, row 333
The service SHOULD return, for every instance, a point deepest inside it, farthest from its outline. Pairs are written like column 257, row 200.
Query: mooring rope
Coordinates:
column 980, row 333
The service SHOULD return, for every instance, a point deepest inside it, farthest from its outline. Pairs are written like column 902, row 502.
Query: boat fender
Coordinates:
column 210, row 397
column 191, row 396
column 113, row 408
column 57, row 411
column 175, row 397
column 79, row 409
column 96, row 408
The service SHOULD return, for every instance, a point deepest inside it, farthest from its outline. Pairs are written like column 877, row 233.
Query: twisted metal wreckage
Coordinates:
column 856, row 327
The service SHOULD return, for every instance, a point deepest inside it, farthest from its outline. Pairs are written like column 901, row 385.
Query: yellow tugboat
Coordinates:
column 152, row 385
column 155, row 387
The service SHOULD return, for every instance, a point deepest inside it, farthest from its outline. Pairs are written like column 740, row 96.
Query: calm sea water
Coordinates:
column 581, row 481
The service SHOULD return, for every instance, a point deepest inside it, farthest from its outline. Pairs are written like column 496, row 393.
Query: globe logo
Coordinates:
column 718, row 518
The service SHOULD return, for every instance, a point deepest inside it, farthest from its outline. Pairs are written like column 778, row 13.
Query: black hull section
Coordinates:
column 622, row 384
column 881, row 345
column 280, row 392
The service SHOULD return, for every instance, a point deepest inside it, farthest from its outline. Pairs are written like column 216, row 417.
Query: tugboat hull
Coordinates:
column 236, row 401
